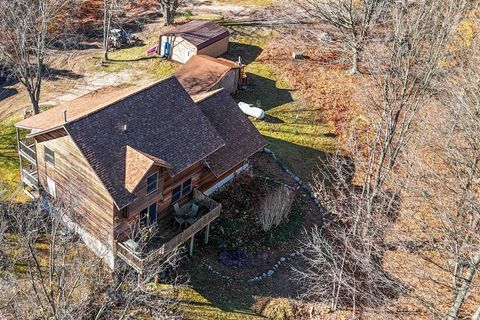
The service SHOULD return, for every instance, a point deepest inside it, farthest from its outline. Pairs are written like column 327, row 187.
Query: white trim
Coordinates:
column 227, row 179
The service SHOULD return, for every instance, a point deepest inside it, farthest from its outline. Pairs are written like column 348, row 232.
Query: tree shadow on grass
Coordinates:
column 6, row 81
column 54, row 74
column 133, row 60
column 7, row 92
column 248, row 53
column 264, row 93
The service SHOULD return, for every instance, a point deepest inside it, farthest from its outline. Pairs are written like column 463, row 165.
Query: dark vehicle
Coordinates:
column 119, row 39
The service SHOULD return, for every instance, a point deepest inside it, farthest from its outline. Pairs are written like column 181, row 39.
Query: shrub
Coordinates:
column 276, row 208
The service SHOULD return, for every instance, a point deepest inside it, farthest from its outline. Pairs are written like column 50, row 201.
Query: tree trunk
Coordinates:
column 33, row 99
column 35, row 107
column 462, row 292
column 167, row 15
column 107, row 19
column 355, row 60
column 476, row 316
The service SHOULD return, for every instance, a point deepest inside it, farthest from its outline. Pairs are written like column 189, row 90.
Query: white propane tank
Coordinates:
column 255, row 112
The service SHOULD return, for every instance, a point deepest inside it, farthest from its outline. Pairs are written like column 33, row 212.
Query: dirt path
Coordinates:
column 72, row 77
column 71, row 82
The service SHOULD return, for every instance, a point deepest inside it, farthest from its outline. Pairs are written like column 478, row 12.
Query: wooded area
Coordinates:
column 369, row 200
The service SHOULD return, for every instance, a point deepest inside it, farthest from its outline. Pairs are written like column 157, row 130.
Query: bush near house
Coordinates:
column 239, row 226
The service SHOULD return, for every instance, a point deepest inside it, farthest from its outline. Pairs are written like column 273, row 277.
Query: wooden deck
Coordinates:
column 170, row 236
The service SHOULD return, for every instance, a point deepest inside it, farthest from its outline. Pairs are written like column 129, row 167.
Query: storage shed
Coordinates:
column 192, row 38
column 203, row 74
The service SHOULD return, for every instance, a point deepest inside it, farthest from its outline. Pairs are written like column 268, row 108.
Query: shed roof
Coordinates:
column 199, row 33
column 201, row 73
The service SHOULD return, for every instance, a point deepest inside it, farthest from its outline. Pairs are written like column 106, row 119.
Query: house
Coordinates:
column 202, row 74
column 124, row 159
column 192, row 38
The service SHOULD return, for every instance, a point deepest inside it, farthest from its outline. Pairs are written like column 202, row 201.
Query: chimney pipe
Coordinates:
column 65, row 115
column 124, row 128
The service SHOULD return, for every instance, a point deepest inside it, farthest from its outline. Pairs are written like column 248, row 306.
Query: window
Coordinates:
column 176, row 194
column 49, row 156
column 123, row 212
column 148, row 216
column 181, row 190
column 152, row 183
column 186, row 187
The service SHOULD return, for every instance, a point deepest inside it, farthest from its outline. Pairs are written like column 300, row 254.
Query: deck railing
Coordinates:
column 141, row 263
column 30, row 179
column 27, row 151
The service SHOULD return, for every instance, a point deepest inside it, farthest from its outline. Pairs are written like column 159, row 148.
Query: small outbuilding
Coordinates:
column 192, row 38
column 202, row 74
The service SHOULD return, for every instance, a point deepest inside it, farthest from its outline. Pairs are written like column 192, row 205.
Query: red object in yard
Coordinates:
column 152, row 49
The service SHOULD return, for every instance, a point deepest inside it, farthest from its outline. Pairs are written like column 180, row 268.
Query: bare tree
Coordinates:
column 448, row 173
column 109, row 9
column 29, row 31
column 406, row 73
column 276, row 207
column 52, row 275
column 353, row 21
column 168, row 9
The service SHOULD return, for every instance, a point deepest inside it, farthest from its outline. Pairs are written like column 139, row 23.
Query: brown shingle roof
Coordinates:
column 201, row 73
column 241, row 137
column 136, row 166
column 162, row 122
column 200, row 33
column 80, row 107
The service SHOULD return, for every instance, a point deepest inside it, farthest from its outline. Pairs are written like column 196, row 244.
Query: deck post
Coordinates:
column 191, row 245
column 207, row 231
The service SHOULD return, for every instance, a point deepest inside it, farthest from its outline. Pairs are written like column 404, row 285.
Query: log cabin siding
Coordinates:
column 142, row 199
column 202, row 179
column 78, row 187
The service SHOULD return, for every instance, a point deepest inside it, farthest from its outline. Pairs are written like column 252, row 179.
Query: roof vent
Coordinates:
column 124, row 129
column 65, row 114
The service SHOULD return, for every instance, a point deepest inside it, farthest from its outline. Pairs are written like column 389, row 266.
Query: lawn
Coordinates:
column 9, row 163
column 136, row 59
column 292, row 126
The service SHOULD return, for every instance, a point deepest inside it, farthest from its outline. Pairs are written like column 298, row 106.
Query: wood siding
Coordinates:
column 216, row 49
column 178, row 49
column 78, row 187
column 202, row 179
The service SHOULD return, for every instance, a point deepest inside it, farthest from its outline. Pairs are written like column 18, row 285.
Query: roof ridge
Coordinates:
column 140, row 89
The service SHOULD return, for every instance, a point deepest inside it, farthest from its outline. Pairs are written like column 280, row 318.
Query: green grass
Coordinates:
column 135, row 58
column 293, row 128
column 9, row 163
column 197, row 303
